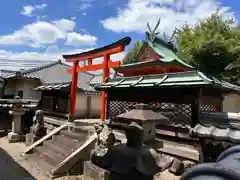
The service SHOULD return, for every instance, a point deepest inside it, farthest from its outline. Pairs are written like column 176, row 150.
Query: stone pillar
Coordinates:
column 16, row 134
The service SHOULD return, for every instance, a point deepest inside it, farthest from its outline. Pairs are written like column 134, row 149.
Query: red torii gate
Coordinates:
column 88, row 56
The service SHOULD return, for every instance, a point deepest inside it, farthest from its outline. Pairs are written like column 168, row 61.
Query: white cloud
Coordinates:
column 76, row 39
column 42, row 33
column 84, row 7
column 64, row 25
column 31, row 56
column 16, row 60
column 42, row 17
column 28, row 10
column 173, row 13
column 41, row 6
column 51, row 53
column 34, row 35
column 85, row 4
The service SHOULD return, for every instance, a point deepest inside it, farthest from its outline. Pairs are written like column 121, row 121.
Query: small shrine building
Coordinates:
column 167, row 83
column 191, row 100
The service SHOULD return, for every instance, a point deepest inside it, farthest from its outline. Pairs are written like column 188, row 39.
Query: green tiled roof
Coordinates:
column 164, row 50
column 146, row 64
column 182, row 79
column 169, row 56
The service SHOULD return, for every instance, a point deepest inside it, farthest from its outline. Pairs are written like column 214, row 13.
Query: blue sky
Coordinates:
column 35, row 31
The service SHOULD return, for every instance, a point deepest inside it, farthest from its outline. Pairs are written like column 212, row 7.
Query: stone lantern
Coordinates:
column 145, row 117
column 16, row 111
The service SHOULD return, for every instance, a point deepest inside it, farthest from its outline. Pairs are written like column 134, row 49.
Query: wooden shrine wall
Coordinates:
column 174, row 104
column 55, row 102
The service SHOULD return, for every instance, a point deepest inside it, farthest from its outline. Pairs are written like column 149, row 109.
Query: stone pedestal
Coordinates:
column 16, row 134
column 14, row 137
column 38, row 130
column 31, row 137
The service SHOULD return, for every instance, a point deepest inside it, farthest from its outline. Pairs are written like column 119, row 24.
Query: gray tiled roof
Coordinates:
column 52, row 86
column 62, row 85
column 216, row 133
column 5, row 73
column 97, row 79
column 57, row 72
column 219, row 126
column 238, row 80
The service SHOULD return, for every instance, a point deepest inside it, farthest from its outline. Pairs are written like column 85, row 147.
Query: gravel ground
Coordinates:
column 15, row 167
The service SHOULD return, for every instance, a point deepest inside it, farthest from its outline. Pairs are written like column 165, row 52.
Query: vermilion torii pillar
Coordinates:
column 88, row 56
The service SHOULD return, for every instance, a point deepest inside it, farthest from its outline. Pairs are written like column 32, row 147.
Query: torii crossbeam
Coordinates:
column 88, row 56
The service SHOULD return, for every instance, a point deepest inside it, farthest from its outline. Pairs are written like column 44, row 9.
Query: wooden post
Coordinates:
column 105, row 75
column 196, row 108
column 73, row 92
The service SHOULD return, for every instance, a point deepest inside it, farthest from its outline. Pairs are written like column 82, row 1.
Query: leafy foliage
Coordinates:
column 132, row 55
column 211, row 45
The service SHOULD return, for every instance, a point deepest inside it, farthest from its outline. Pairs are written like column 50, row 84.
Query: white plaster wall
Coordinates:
column 87, row 108
column 95, row 106
column 81, row 106
column 231, row 103
column 26, row 85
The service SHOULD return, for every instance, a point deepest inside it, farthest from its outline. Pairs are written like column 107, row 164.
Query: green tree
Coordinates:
column 133, row 53
column 211, row 45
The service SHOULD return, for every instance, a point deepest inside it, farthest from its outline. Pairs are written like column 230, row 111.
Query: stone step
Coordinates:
column 56, row 148
column 79, row 136
column 48, row 155
column 39, row 163
column 83, row 129
column 177, row 149
column 66, row 143
column 86, row 122
column 55, row 157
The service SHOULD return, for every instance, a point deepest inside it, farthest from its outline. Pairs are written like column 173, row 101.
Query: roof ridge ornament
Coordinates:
column 169, row 42
column 153, row 32
column 172, row 36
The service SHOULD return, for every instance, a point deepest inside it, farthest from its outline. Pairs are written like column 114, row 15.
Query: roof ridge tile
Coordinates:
column 24, row 72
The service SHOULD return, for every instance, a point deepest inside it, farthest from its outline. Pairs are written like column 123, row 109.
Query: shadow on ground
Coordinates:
column 11, row 170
